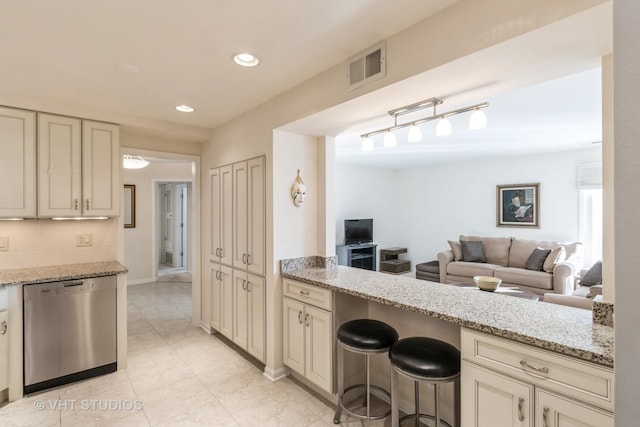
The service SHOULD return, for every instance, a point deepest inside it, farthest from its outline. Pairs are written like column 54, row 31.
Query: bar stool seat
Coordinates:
column 367, row 337
column 424, row 360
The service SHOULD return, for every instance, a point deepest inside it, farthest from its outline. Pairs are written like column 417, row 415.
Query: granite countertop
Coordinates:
column 27, row 276
column 565, row 330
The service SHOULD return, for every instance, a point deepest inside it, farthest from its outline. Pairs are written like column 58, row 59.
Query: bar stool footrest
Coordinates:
column 375, row 391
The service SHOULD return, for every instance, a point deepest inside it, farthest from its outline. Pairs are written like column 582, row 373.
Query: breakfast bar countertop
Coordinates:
column 27, row 276
column 565, row 330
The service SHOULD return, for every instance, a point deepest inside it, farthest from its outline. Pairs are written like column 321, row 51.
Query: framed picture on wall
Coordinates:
column 517, row 205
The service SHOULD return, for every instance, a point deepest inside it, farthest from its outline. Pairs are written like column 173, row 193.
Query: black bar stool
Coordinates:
column 424, row 360
column 367, row 337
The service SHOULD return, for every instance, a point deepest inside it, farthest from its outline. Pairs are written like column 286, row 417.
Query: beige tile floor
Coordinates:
column 177, row 375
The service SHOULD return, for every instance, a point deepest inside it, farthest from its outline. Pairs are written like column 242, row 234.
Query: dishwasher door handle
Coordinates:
column 68, row 284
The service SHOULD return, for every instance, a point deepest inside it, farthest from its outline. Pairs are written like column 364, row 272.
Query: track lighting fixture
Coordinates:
column 478, row 120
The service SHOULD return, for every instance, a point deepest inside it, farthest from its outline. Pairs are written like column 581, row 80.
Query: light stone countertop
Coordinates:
column 565, row 330
column 28, row 276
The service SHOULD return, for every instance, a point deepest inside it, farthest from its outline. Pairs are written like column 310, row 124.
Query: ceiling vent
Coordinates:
column 367, row 66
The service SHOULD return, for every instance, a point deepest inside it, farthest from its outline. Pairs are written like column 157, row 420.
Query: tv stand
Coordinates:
column 358, row 255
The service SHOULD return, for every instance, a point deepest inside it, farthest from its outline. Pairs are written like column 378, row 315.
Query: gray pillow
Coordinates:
column 472, row 251
column 593, row 276
column 535, row 262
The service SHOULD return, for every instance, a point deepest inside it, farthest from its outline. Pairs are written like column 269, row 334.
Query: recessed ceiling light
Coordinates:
column 246, row 60
column 185, row 109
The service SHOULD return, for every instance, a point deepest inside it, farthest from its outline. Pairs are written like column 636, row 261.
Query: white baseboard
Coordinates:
column 276, row 375
column 140, row 281
column 207, row 328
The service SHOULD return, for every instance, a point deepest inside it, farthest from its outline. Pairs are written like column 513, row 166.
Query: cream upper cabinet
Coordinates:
column 17, row 163
column 249, row 216
column 100, row 169
column 221, row 214
column 78, row 167
column 508, row 384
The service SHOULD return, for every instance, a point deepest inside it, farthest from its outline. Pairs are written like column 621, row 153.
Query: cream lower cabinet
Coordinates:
column 4, row 350
column 249, row 313
column 308, row 332
column 222, row 300
column 508, row 384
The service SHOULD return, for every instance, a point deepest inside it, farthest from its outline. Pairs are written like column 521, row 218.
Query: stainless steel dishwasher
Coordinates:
column 69, row 331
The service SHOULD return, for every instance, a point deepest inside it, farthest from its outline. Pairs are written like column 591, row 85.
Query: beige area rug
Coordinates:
column 176, row 278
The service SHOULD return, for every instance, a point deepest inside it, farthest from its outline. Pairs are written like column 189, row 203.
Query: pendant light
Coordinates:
column 443, row 128
column 390, row 139
column 477, row 120
column 367, row 144
column 415, row 134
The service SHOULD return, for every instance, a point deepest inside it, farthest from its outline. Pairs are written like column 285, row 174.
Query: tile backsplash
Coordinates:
column 36, row 243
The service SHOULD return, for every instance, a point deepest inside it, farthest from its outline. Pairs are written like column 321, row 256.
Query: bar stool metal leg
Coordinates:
column 336, row 417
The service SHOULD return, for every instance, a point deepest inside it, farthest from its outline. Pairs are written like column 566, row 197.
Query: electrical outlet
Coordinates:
column 84, row 239
column 4, row 243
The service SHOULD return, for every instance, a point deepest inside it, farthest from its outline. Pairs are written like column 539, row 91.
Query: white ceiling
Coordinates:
column 75, row 57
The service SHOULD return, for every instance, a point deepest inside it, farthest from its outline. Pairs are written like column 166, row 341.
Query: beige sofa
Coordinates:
column 506, row 258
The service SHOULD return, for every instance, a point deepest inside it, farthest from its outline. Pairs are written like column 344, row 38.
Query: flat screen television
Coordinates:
column 358, row 231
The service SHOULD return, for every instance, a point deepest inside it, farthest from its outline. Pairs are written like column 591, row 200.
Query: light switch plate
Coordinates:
column 84, row 239
column 4, row 243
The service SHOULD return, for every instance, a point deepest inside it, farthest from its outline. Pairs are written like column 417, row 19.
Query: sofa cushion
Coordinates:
column 536, row 259
column 456, row 248
column 593, row 276
column 557, row 255
column 470, row 269
column 496, row 249
column 472, row 251
column 521, row 249
column 520, row 276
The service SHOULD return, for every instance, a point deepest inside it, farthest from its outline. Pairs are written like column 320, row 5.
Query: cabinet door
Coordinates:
column 490, row 399
column 100, row 169
column 59, row 166
column 240, row 309
column 17, row 163
column 240, row 215
column 256, row 221
column 256, row 313
column 319, row 347
column 553, row 410
column 215, row 292
column 293, row 334
column 226, row 302
column 4, row 351
column 216, row 245
column 226, row 215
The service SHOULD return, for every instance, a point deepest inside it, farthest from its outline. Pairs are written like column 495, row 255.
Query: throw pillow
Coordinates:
column 456, row 249
column 472, row 251
column 593, row 276
column 536, row 259
column 556, row 256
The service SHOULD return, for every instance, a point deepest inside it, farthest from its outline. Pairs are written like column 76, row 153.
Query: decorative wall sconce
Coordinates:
column 298, row 190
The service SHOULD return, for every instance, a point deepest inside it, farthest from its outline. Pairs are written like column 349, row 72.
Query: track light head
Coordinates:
column 443, row 128
column 390, row 139
column 477, row 120
column 415, row 134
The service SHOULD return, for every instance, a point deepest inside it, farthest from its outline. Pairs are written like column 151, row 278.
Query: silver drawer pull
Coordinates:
column 300, row 317
column 304, row 292
column 545, row 416
column 3, row 327
column 521, row 409
column 525, row 365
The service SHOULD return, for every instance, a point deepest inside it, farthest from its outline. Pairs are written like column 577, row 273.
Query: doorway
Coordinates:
column 172, row 251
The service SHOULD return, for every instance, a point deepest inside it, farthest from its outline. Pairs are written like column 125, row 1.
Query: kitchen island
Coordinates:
column 501, row 338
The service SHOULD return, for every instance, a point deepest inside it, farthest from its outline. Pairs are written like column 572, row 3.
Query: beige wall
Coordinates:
column 452, row 34
column 137, row 140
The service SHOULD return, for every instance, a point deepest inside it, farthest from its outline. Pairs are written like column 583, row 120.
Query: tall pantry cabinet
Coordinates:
column 237, row 258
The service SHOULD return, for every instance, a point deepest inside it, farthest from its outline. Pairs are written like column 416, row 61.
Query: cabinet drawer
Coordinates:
column 309, row 294
column 582, row 380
